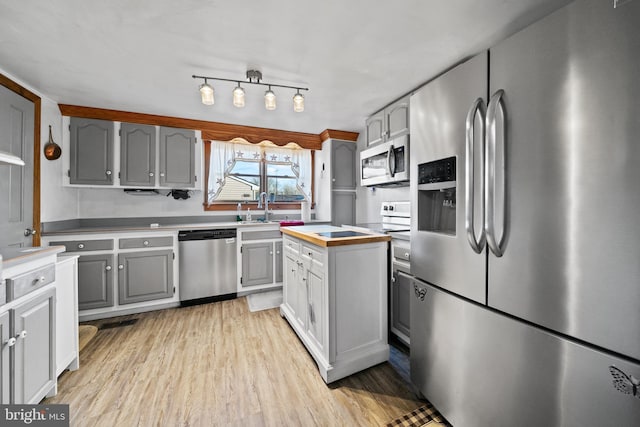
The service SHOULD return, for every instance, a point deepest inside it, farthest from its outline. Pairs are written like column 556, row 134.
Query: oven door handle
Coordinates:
column 477, row 244
column 391, row 161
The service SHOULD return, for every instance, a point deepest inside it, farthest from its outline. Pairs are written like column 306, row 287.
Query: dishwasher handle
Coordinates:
column 215, row 234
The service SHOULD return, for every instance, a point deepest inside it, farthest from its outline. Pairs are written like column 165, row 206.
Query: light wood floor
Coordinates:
column 219, row 364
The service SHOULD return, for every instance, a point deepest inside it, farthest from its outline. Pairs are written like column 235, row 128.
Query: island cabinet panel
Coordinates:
column 335, row 298
column 4, row 359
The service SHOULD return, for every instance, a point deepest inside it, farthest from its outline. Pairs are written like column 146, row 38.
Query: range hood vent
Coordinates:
column 141, row 191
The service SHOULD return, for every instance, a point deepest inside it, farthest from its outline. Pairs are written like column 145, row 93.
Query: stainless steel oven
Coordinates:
column 386, row 164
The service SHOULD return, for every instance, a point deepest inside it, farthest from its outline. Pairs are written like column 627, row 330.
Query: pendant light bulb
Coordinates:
column 298, row 102
column 238, row 96
column 206, row 93
column 269, row 99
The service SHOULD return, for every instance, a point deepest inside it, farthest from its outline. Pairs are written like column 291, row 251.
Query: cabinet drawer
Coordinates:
column 23, row 284
column 291, row 245
column 261, row 235
column 401, row 252
column 313, row 253
column 146, row 242
column 85, row 245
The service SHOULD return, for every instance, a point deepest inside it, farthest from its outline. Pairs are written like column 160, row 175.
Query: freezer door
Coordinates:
column 481, row 368
column 572, row 242
column 441, row 253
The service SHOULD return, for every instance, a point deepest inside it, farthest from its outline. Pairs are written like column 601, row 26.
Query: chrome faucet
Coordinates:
column 266, row 205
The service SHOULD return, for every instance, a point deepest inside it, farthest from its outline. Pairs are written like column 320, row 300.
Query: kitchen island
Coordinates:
column 335, row 296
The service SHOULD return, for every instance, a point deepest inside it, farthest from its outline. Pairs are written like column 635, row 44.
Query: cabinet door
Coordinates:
column 343, row 207
column 343, row 165
column 177, row 158
column 396, row 118
column 91, row 152
column 66, row 314
column 257, row 264
column 4, row 358
column 374, row 128
column 316, row 305
column 278, row 260
column 95, row 281
column 34, row 357
column 290, row 285
column 137, row 155
column 145, row 276
column 400, row 302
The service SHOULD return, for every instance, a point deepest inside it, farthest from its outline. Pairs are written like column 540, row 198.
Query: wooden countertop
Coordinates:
column 309, row 233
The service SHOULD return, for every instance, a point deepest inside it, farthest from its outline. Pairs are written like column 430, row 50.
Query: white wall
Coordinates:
column 368, row 201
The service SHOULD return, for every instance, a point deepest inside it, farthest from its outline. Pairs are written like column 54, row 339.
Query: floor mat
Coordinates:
column 264, row 300
column 426, row 416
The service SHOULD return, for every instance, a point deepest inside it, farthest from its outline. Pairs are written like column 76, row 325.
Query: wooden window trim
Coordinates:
column 232, row 206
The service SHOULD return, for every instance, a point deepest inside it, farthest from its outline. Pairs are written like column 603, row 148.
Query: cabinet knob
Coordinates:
column 22, row 335
column 393, row 278
column 334, row 180
column 270, row 252
column 406, row 255
column 80, row 245
column 11, row 342
column 145, row 243
column 150, row 173
column 108, row 268
column 162, row 174
column 42, row 279
column 108, row 172
column 29, row 232
column 120, row 267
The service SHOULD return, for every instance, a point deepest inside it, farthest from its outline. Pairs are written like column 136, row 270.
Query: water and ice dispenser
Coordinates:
column 437, row 196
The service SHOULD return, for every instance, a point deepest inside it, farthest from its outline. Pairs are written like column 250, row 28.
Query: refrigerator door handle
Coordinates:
column 477, row 244
column 490, row 173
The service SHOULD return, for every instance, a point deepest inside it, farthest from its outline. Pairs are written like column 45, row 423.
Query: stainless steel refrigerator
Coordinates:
column 526, row 240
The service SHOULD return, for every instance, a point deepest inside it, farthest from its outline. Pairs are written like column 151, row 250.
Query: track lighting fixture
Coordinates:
column 254, row 77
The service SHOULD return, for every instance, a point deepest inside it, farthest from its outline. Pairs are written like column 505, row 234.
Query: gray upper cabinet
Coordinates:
column 374, row 128
column 95, row 281
column 343, row 165
column 257, row 263
column 388, row 123
column 91, row 152
column 177, row 158
column 137, row 155
column 145, row 276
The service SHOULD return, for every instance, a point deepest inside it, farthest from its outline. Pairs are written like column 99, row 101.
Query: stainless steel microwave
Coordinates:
column 386, row 164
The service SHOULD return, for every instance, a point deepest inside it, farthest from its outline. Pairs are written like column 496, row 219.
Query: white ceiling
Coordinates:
column 356, row 56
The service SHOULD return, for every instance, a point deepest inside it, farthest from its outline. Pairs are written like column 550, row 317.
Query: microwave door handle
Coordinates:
column 477, row 244
column 490, row 174
column 391, row 161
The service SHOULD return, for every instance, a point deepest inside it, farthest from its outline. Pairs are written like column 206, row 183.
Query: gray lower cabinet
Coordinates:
column 34, row 350
column 4, row 359
column 95, row 281
column 177, row 158
column 279, row 261
column 257, row 264
column 145, row 276
column 343, row 207
column 401, row 302
column 91, row 151
column 137, row 155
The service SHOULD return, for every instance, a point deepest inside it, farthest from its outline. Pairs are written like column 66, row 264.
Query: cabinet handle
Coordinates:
column 150, row 173
column 120, row 267
column 145, row 243
column 80, row 245
column 108, row 173
column 108, row 268
column 312, row 315
column 11, row 342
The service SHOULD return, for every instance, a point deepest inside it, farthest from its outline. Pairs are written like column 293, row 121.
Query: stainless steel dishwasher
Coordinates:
column 207, row 264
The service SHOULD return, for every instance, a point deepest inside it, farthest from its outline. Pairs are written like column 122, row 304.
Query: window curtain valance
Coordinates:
column 224, row 155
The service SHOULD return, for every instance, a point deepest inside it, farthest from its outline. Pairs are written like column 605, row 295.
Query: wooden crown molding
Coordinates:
column 338, row 134
column 211, row 130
